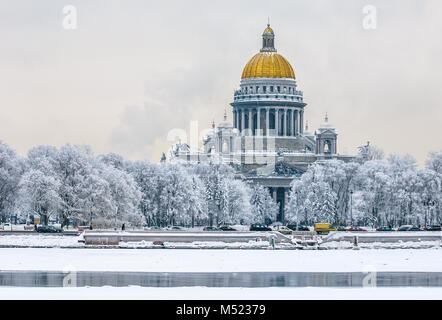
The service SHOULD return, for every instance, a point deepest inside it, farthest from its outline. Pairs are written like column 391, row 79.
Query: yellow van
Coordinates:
column 324, row 227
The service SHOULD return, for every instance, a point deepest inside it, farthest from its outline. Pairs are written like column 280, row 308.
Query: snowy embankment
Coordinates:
column 203, row 293
column 382, row 240
column 48, row 241
column 183, row 260
column 40, row 241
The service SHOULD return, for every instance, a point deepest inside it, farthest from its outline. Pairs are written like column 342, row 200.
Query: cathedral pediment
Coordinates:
column 285, row 169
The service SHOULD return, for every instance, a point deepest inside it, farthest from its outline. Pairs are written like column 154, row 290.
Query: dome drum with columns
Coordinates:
column 266, row 142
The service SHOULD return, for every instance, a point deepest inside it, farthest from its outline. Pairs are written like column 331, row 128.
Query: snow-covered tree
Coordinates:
column 39, row 194
column 322, row 193
column 11, row 169
column 215, row 178
column 125, row 195
column 434, row 162
column 433, row 187
column 239, row 209
column 264, row 208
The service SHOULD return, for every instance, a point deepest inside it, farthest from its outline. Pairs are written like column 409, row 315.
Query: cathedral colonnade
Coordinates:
column 273, row 121
column 281, row 196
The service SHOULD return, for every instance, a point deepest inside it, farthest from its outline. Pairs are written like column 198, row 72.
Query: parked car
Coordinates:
column 324, row 227
column 434, row 228
column 409, row 227
column 341, row 228
column 405, row 227
column 356, row 229
column 174, row 228
column 210, row 228
column 300, row 227
column 227, row 228
column 384, row 228
column 48, row 229
column 284, row 230
column 259, row 227
column 154, row 228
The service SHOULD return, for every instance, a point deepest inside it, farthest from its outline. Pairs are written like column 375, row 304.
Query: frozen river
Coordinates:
column 219, row 279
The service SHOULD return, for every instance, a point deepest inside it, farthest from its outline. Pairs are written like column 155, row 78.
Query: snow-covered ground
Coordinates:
column 184, row 260
column 382, row 245
column 203, row 293
column 39, row 240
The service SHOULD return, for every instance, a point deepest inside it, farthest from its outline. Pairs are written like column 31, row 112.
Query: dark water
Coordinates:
column 224, row 279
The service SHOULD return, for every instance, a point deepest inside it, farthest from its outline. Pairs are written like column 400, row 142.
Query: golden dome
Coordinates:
column 268, row 65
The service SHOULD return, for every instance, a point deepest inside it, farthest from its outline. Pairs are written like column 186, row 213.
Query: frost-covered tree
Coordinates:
column 11, row 169
column 322, row 193
column 169, row 193
column 198, row 211
column 433, row 187
column 145, row 175
column 216, row 179
column 434, row 162
column 239, row 209
column 125, row 195
column 264, row 208
column 375, row 183
column 39, row 194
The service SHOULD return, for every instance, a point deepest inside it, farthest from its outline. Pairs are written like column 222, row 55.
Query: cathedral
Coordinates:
column 268, row 142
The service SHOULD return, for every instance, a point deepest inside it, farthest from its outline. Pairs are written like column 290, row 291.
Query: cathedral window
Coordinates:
column 264, row 89
column 271, row 88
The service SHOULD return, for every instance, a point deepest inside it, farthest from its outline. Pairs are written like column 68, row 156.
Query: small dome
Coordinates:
column 268, row 30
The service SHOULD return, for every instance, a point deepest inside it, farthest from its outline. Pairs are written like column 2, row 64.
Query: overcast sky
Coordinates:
column 135, row 69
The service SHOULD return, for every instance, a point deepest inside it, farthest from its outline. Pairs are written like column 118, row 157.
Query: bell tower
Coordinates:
column 326, row 139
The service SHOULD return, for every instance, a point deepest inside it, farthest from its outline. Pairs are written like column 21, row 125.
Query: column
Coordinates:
column 267, row 121
column 258, row 119
column 285, row 122
column 296, row 122
column 250, row 120
column 274, row 194
column 286, row 197
column 301, row 122
column 242, row 120
column 293, row 123
column 277, row 121
column 234, row 118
